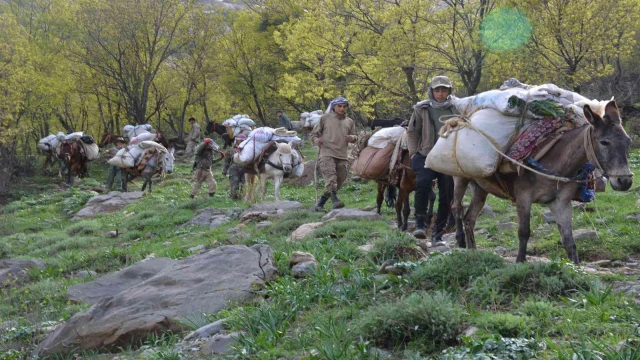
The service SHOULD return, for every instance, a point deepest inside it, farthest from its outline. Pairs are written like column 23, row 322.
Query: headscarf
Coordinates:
column 436, row 104
column 336, row 101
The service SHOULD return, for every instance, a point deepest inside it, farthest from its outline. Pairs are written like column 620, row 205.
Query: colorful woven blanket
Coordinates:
column 528, row 141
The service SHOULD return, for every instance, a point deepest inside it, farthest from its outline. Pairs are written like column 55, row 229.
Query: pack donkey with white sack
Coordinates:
column 146, row 159
column 556, row 177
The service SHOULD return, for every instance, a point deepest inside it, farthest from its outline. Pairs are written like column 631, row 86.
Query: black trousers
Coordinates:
column 424, row 182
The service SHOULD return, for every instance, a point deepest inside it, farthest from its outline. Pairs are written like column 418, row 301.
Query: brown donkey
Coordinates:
column 603, row 142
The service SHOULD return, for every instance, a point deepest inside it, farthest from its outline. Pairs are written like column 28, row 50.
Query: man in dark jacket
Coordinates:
column 202, row 167
column 115, row 173
column 422, row 135
column 283, row 120
column 235, row 171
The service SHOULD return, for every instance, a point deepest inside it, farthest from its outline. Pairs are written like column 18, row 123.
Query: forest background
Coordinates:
column 96, row 65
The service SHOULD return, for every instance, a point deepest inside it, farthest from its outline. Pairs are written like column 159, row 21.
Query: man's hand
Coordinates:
column 351, row 138
column 318, row 142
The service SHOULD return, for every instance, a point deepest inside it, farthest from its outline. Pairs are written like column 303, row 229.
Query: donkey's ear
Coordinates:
column 591, row 118
column 612, row 113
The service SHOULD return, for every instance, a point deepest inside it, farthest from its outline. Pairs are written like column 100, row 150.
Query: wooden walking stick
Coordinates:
column 315, row 174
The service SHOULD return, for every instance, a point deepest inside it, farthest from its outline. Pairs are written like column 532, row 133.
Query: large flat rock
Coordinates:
column 351, row 214
column 205, row 283
column 211, row 218
column 12, row 272
column 108, row 203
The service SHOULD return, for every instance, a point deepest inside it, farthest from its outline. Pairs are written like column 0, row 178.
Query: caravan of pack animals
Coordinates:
column 339, row 235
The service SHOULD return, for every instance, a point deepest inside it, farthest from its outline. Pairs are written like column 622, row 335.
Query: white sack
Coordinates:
column 127, row 129
column 473, row 151
column 246, row 122
column 126, row 157
column 48, row 143
column 249, row 152
column 383, row 137
column 151, row 144
column 142, row 137
column 312, row 120
column 230, row 122
column 75, row 135
column 92, row 151
column 142, row 129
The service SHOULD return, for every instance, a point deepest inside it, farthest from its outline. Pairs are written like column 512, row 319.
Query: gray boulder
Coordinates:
column 211, row 218
column 351, row 214
column 585, row 234
column 269, row 210
column 15, row 271
column 108, row 203
column 303, row 269
column 205, row 283
column 220, row 344
column 207, row 330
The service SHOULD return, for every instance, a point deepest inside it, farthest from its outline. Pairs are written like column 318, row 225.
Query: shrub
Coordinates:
column 433, row 318
column 399, row 246
column 457, row 269
column 507, row 325
column 542, row 279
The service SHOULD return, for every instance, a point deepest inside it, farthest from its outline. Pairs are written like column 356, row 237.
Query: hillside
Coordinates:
column 454, row 304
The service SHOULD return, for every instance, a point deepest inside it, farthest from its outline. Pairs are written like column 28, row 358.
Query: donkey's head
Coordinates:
column 168, row 160
column 611, row 146
column 285, row 156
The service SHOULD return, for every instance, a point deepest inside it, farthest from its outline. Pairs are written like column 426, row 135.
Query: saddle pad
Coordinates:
column 528, row 141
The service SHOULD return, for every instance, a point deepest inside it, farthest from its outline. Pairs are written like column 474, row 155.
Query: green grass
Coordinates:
column 344, row 310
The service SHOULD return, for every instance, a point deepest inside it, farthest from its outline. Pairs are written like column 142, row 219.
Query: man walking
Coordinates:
column 235, row 171
column 115, row 173
column 202, row 168
column 283, row 120
column 193, row 137
column 332, row 135
column 422, row 134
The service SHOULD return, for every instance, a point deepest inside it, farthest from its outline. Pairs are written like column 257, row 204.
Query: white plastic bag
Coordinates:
column 471, row 150
column 126, row 157
column 151, row 144
column 75, row 135
column 142, row 137
column 48, row 143
column 92, row 151
column 381, row 138
column 246, row 122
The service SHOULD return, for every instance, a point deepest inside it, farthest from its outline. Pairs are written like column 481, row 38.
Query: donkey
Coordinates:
column 603, row 142
column 107, row 139
column 278, row 165
column 72, row 154
column 213, row 127
column 159, row 163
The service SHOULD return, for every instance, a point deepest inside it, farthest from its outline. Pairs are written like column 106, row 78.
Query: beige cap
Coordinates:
column 439, row 81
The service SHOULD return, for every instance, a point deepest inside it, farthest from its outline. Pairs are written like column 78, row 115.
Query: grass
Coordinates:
column 344, row 310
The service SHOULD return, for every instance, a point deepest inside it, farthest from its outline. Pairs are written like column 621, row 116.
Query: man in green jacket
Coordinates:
column 283, row 120
column 202, row 168
column 332, row 135
column 422, row 134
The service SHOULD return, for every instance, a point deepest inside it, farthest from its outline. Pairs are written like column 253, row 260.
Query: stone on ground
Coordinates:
column 351, row 214
column 585, row 234
column 211, row 218
column 303, row 269
column 13, row 272
column 205, row 283
column 507, row 226
column 300, row 257
column 269, row 210
column 548, row 217
column 220, row 344
column 263, row 225
column 207, row 330
column 108, row 203
column 305, row 230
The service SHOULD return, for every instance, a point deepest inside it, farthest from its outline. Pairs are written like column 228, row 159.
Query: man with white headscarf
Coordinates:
column 422, row 134
column 332, row 135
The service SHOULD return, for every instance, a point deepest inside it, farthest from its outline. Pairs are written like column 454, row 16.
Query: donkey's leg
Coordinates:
column 523, row 204
column 407, row 208
column 248, row 193
column 262, row 191
column 125, row 180
column 402, row 226
column 478, row 198
column 562, row 209
column 380, row 198
column 460, row 188
column 276, row 183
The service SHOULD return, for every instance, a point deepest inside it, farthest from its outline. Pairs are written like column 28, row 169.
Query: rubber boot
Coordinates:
column 436, row 238
column 320, row 205
column 211, row 194
column 337, row 204
column 420, row 232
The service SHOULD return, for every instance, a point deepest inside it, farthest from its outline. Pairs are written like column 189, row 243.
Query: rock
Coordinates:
column 480, row 232
column 638, row 203
column 601, row 263
column 125, row 245
column 585, row 234
column 388, row 267
column 207, row 330
column 548, row 217
column 351, row 214
column 232, row 230
column 108, row 203
column 500, row 250
column 368, row 208
column 506, row 226
column 234, row 213
column 440, row 249
column 304, row 230
column 273, row 206
column 449, row 238
column 531, row 259
column 220, row 344
column 299, row 257
column 211, row 218
column 303, row 269
column 112, row 234
column 13, row 272
column 379, row 353
column 470, row 331
column 365, row 248
column 630, row 288
column 307, row 175
column 205, row 283
column 617, row 263
column 197, row 249
column 167, row 243
column 238, row 236
column 263, row 225
column 487, row 211
column 8, row 325
column 85, row 274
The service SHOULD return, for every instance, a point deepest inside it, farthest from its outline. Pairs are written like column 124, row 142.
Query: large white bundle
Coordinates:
column 151, row 144
column 74, row 135
column 92, row 151
column 48, row 143
column 241, row 129
column 140, row 129
column 246, row 122
column 381, row 138
column 127, row 157
column 467, row 153
column 142, row 137
column 249, row 153
column 127, row 129
column 261, row 134
column 230, row 122
column 317, row 112
column 312, row 120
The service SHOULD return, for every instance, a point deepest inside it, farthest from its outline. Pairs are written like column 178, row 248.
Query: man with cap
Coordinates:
column 283, row 120
column 422, row 134
column 235, row 171
column 193, row 137
column 115, row 173
column 332, row 135
column 202, row 167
